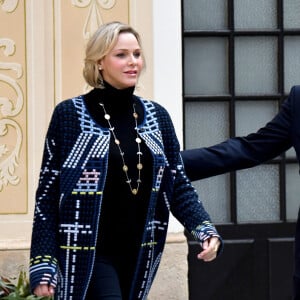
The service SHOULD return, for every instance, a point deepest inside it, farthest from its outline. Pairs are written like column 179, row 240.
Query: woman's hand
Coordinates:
column 210, row 248
column 44, row 290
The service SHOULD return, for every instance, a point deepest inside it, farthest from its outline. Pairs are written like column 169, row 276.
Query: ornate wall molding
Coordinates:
column 94, row 18
column 9, row 155
column 13, row 113
column 9, row 5
column 106, row 4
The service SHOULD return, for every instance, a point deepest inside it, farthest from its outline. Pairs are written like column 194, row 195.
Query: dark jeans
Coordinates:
column 111, row 278
column 105, row 282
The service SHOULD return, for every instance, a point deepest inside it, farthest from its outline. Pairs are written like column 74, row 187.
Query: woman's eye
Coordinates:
column 123, row 55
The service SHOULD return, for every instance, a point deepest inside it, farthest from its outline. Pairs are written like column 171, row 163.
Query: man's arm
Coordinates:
column 242, row 152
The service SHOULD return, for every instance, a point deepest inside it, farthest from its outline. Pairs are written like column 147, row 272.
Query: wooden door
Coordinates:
column 257, row 263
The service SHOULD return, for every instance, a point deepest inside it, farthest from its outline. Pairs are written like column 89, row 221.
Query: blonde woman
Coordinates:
column 111, row 173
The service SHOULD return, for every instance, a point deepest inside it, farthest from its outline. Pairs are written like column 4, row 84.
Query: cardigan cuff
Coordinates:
column 205, row 231
column 43, row 270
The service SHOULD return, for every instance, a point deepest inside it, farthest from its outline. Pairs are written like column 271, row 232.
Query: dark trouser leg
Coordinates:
column 104, row 284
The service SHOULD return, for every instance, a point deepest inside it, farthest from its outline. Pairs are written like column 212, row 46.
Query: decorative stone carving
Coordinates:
column 9, row 5
column 9, row 154
column 106, row 4
column 94, row 19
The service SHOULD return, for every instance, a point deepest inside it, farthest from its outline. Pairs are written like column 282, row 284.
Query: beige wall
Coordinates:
column 41, row 58
column 13, row 111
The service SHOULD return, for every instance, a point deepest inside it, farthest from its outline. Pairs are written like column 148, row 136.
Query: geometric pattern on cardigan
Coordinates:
column 80, row 202
column 151, row 130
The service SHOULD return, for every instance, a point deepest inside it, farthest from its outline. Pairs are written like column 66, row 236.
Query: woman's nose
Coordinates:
column 132, row 60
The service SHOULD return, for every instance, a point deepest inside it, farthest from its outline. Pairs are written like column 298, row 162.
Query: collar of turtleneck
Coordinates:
column 117, row 102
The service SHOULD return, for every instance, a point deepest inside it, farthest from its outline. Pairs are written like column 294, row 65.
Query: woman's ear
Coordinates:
column 100, row 65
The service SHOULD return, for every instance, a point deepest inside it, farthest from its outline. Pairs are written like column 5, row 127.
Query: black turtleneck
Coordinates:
column 123, row 214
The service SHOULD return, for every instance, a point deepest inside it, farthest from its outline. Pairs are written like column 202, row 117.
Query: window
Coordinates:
column 240, row 59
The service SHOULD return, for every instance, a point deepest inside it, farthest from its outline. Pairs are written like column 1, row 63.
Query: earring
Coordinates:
column 100, row 81
column 100, row 68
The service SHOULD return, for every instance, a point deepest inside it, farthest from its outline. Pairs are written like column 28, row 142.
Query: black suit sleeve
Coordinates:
column 243, row 152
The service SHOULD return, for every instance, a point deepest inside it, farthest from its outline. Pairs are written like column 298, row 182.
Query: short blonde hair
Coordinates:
column 99, row 45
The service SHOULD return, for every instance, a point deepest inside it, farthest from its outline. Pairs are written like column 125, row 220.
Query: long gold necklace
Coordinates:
column 139, row 165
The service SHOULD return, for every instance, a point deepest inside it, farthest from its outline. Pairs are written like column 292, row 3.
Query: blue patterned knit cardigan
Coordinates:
column 69, row 197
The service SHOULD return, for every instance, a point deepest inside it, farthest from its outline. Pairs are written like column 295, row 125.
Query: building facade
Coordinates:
column 41, row 59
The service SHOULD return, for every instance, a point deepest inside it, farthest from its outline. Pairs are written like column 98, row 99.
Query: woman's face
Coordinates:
column 122, row 66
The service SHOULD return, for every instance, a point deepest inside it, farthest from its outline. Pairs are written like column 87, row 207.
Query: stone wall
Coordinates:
column 12, row 260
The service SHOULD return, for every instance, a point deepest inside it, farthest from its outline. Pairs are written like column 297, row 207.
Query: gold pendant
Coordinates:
column 134, row 191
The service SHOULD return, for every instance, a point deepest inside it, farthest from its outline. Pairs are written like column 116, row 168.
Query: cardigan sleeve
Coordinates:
column 185, row 205
column 188, row 208
column 43, row 261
